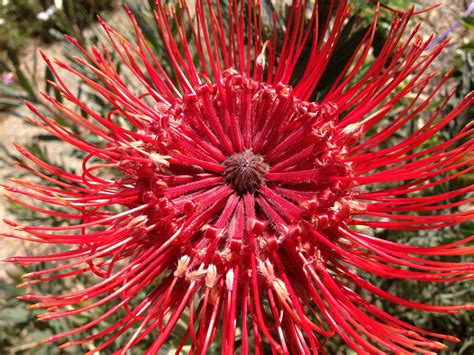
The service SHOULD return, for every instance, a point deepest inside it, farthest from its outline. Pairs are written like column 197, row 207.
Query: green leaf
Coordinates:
column 49, row 76
column 16, row 315
column 468, row 47
column 38, row 335
column 7, row 90
column 22, row 79
column 468, row 22
column 12, row 55
column 24, row 82
column 4, row 101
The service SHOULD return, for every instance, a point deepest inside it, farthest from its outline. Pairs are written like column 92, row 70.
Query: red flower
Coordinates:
column 239, row 197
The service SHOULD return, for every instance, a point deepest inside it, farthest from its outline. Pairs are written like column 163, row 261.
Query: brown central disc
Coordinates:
column 245, row 172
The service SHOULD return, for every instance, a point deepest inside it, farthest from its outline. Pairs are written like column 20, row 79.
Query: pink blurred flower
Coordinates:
column 7, row 78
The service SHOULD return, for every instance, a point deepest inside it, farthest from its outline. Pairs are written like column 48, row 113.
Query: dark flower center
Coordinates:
column 245, row 172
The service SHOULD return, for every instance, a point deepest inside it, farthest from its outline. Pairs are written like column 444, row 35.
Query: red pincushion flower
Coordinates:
column 239, row 196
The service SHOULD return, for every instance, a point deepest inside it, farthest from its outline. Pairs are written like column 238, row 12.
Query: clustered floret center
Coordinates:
column 245, row 172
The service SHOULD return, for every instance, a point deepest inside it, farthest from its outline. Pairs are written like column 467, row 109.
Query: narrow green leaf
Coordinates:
column 468, row 22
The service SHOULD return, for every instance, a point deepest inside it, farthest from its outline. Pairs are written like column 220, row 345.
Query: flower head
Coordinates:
column 240, row 203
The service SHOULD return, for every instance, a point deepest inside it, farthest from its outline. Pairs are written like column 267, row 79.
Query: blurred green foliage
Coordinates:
column 22, row 20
